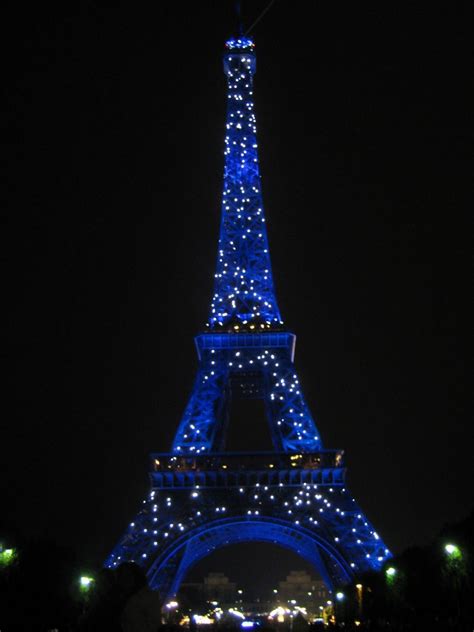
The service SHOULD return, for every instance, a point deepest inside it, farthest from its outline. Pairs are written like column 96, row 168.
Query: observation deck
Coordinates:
column 235, row 469
column 233, row 341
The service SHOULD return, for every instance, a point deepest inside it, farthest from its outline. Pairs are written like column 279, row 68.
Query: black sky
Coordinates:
column 114, row 120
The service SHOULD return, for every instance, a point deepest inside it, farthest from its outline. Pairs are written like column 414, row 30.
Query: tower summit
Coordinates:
column 203, row 497
column 244, row 296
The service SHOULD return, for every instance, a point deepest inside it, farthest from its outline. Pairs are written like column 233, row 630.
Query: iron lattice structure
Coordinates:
column 203, row 498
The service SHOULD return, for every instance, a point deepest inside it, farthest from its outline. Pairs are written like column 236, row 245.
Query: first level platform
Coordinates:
column 235, row 469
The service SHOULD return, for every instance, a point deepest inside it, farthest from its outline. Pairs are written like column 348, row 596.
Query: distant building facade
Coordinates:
column 300, row 587
column 215, row 587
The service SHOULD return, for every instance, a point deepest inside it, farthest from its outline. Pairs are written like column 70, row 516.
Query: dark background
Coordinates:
column 114, row 119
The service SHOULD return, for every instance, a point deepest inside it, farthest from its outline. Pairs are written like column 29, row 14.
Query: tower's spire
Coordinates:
column 238, row 12
column 244, row 296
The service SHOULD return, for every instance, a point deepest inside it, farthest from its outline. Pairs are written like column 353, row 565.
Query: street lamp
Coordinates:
column 359, row 598
column 455, row 571
column 329, row 614
column 339, row 596
column 391, row 575
column 453, row 551
column 7, row 556
column 85, row 583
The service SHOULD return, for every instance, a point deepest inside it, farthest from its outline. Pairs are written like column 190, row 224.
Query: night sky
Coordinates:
column 114, row 118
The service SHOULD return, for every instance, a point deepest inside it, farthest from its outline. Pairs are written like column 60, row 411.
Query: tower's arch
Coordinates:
column 174, row 563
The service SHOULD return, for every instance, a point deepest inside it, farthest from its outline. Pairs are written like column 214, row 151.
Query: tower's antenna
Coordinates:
column 238, row 11
column 267, row 8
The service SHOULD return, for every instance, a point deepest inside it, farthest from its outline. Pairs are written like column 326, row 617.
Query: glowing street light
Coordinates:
column 359, row 598
column 202, row 619
column 236, row 613
column 7, row 556
column 452, row 550
column 339, row 596
column 85, row 583
column 390, row 571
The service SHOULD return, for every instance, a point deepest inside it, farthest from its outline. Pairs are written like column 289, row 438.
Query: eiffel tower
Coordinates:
column 203, row 497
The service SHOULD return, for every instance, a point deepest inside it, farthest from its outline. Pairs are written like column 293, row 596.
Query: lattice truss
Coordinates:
column 202, row 428
column 243, row 291
column 175, row 518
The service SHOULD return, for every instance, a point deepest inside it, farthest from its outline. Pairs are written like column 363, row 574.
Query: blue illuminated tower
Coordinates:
column 203, row 497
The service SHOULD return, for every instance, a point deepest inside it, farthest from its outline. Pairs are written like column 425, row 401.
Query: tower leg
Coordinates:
column 202, row 426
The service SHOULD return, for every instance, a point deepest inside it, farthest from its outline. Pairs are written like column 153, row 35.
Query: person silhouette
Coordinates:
column 141, row 606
